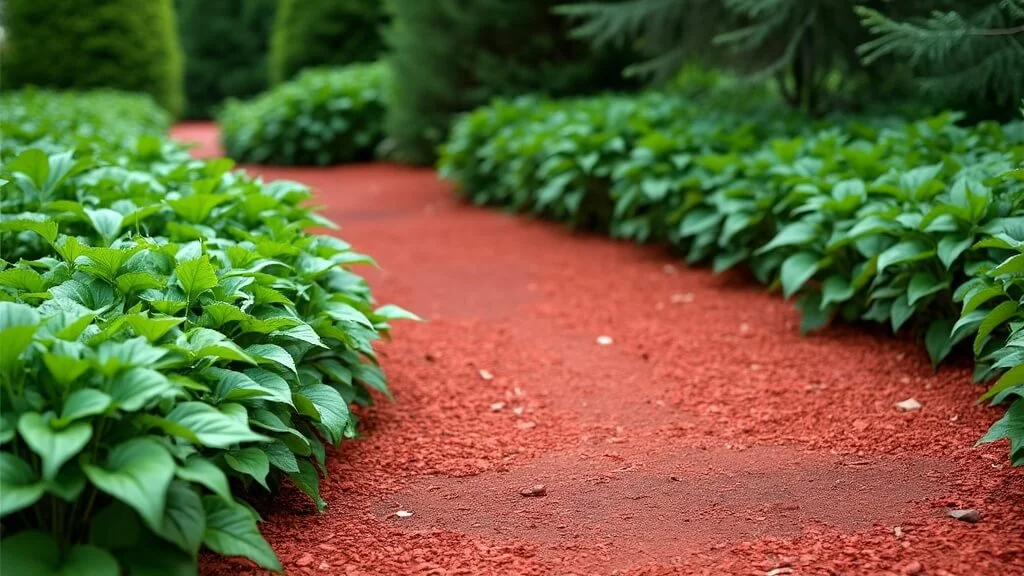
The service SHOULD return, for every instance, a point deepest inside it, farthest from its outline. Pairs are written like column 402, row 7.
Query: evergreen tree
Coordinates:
column 804, row 45
column 449, row 56
column 225, row 44
column 969, row 51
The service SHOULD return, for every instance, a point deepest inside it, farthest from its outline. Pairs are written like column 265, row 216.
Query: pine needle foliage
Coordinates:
column 973, row 53
column 799, row 43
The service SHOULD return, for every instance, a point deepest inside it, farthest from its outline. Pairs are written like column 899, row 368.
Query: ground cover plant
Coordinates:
column 918, row 224
column 173, row 338
column 324, row 116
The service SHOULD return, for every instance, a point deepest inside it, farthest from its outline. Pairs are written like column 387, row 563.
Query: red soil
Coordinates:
column 709, row 438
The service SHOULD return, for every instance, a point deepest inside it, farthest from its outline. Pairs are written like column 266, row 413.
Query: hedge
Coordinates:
column 324, row 116
column 919, row 225
column 172, row 340
column 122, row 44
column 450, row 57
column 321, row 33
column 226, row 44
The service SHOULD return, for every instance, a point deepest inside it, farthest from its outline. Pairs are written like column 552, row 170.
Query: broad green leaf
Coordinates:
column 201, row 471
column 138, row 473
column 197, row 207
column 231, row 531
column 324, row 404
column 277, row 388
column 372, row 377
column 204, row 342
column 795, row 234
column 1010, row 426
column 272, row 353
column 900, row 312
column 951, row 247
column 133, row 282
column 196, row 276
column 19, row 487
column 153, row 328
column 32, row 166
column 54, row 447
column 106, row 222
column 835, row 289
column 797, row 270
column 980, row 297
column 48, row 229
column 231, row 385
column 213, row 428
column 281, row 457
column 923, row 284
column 996, row 317
column 250, row 461
column 65, row 369
column 307, row 480
column 1013, row 377
column 904, row 252
column 391, row 312
column 82, row 403
column 1012, row 265
column 132, row 389
column 184, row 522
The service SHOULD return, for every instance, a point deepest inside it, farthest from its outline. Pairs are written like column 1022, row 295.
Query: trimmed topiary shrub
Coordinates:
column 225, row 44
column 123, row 44
column 325, row 116
column 318, row 33
column 451, row 56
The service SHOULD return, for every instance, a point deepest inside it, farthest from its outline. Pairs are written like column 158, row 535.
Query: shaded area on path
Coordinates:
column 707, row 379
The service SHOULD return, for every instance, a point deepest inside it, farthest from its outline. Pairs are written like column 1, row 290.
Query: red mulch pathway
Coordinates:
column 708, row 438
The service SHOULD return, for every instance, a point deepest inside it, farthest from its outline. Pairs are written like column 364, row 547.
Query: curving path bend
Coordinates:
column 708, row 438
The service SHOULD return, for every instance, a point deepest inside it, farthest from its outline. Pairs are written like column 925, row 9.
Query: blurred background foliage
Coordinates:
column 314, row 33
column 122, row 44
column 225, row 44
column 450, row 56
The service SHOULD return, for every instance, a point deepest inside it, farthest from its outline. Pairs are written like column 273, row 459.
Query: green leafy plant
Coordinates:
column 322, row 117
column 172, row 338
column 864, row 218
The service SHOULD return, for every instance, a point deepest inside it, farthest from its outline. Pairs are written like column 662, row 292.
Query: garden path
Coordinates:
column 705, row 436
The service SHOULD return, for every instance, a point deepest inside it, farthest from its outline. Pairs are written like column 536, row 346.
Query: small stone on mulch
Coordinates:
column 534, row 491
column 965, row 515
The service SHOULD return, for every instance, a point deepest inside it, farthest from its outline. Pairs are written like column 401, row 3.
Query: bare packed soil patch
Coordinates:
column 657, row 506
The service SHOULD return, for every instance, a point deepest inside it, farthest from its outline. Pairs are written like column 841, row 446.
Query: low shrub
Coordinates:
column 118, row 44
column 171, row 336
column 915, row 224
column 327, row 116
